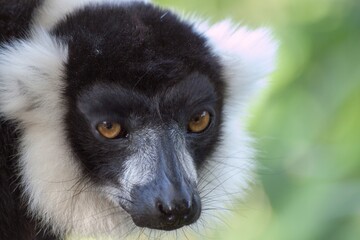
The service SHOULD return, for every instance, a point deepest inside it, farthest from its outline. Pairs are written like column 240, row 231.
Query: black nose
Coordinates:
column 177, row 212
column 169, row 209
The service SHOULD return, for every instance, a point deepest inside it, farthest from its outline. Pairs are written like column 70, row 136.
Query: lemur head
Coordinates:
column 128, row 110
column 145, row 100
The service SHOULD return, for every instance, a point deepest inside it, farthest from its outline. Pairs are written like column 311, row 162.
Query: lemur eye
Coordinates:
column 109, row 130
column 199, row 122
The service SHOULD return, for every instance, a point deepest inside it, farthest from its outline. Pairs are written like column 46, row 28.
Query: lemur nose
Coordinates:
column 168, row 207
column 178, row 212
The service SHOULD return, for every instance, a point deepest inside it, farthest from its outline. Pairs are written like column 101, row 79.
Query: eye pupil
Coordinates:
column 197, row 119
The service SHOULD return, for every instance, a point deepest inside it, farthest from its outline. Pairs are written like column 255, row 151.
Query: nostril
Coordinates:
column 184, row 207
column 181, row 208
column 165, row 209
column 160, row 207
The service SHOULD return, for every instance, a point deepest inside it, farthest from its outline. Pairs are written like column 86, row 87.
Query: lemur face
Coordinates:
column 145, row 104
column 130, row 115
column 147, row 148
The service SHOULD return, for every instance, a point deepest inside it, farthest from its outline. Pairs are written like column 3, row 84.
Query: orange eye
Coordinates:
column 199, row 122
column 109, row 130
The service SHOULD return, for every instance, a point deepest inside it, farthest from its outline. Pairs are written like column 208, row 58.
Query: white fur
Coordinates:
column 248, row 57
column 31, row 71
column 31, row 74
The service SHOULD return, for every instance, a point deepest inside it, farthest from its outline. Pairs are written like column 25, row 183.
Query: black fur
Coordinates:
column 139, row 51
column 15, row 17
column 139, row 46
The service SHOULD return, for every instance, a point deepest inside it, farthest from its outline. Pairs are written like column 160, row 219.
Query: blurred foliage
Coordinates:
column 307, row 123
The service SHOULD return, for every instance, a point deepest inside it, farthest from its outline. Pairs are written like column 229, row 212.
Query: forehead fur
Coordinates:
column 132, row 44
column 186, row 95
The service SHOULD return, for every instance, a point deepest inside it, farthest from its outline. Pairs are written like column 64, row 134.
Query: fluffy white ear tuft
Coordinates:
column 248, row 56
column 31, row 74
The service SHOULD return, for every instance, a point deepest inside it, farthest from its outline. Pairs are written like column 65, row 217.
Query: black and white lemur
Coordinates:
column 119, row 116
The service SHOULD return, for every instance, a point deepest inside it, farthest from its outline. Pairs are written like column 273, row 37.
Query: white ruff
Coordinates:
column 248, row 57
column 31, row 83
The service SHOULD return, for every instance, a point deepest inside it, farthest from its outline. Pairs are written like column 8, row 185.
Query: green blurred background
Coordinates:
column 307, row 123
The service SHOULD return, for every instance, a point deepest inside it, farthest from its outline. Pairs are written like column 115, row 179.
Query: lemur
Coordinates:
column 119, row 115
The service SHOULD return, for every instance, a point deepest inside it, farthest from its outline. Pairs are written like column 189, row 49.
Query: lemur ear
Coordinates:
column 248, row 56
